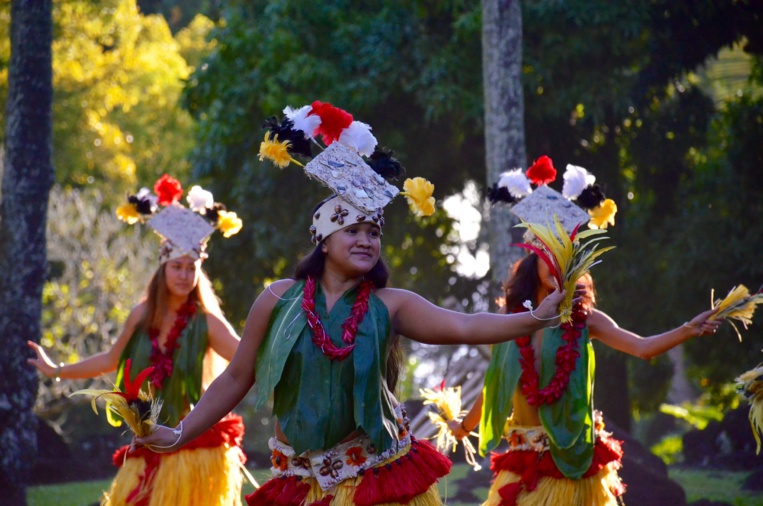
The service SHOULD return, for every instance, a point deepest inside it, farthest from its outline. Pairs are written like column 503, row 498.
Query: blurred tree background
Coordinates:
column 661, row 100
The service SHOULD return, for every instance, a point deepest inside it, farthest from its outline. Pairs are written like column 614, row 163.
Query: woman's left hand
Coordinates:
column 702, row 324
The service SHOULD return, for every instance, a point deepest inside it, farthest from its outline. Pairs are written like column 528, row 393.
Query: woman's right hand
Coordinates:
column 162, row 440
column 43, row 363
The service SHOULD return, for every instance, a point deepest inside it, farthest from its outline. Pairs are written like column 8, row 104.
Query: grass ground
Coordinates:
column 713, row 485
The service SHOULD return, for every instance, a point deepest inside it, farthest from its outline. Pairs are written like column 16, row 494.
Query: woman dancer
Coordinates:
column 179, row 329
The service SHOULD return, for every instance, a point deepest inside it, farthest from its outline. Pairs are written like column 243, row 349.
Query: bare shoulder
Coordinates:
column 278, row 288
column 137, row 313
column 216, row 320
column 397, row 299
column 270, row 296
column 598, row 322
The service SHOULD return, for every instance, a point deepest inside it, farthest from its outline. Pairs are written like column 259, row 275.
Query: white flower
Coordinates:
column 302, row 121
column 576, row 179
column 516, row 182
column 199, row 199
column 145, row 194
column 358, row 136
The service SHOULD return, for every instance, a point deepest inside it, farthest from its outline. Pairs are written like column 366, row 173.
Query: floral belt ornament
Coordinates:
column 342, row 462
column 137, row 408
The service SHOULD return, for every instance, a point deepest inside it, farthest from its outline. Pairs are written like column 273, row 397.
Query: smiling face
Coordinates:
column 353, row 250
column 182, row 275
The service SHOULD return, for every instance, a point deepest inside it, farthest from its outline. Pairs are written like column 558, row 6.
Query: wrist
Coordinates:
column 693, row 329
column 57, row 375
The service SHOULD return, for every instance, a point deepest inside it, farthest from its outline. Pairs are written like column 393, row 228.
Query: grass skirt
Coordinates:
column 529, row 478
column 408, row 478
column 205, row 472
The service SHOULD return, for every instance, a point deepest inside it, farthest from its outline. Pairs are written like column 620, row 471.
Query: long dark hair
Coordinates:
column 523, row 284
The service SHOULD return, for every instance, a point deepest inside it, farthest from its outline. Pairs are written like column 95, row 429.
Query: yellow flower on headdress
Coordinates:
column 418, row 192
column 277, row 152
column 128, row 212
column 603, row 215
column 229, row 223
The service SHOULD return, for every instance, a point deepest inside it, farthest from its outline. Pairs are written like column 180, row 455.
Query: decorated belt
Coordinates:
column 536, row 438
column 342, row 462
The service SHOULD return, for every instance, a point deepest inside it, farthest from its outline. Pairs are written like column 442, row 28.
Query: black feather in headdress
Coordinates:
column 143, row 205
column 285, row 131
column 497, row 194
column 591, row 197
column 212, row 214
column 382, row 162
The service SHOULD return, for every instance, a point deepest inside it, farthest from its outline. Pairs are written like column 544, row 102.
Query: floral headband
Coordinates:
column 183, row 231
column 351, row 165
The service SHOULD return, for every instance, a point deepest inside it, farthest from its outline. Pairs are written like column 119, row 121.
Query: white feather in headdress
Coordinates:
column 576, row 179
column 302, row 121
column 516, row 182
column 358, row 136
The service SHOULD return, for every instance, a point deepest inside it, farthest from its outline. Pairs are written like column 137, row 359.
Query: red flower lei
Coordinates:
column 566, row 355
column 162, row 360
column 320, row 337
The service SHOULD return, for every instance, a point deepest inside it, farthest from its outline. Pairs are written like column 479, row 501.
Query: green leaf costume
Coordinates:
column 182, row 389
column 568, row 421
column 318, row 401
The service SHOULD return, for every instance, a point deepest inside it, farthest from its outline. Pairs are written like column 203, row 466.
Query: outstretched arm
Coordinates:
column 420, row 320
column 227, row 390
column 462, row 428
column 604, row 328
column 94, row 365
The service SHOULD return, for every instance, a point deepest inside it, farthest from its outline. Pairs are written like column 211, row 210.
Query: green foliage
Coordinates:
column 696, row 415
column 117, row 79
column 395, row 66
column 669, row 449
column 721, row 486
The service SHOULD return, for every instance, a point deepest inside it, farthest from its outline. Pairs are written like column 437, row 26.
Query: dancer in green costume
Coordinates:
column 179, row 329
column 538, row 391
column 322, row 345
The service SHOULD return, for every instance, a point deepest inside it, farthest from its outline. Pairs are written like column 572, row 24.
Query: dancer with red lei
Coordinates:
column 538, row 391
column 323, row 343
column 179, row 331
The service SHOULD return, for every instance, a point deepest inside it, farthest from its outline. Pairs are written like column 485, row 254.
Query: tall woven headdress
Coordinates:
column 184, row 230
column 349, row 163
column 581, row 201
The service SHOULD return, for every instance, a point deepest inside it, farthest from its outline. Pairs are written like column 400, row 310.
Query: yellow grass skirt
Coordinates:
column 196, row 477
column 593, row 491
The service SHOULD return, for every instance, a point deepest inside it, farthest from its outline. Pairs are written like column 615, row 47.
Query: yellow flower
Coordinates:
column 603, row 215
column 418, row 192
column 276, row 151
column 128, row 213
column 228, row 223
